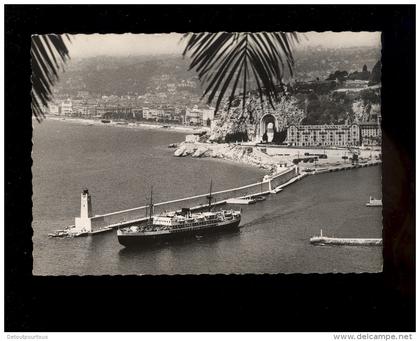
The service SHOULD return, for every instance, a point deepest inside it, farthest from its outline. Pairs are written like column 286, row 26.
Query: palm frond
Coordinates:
column 240, row 61
column 48, row 55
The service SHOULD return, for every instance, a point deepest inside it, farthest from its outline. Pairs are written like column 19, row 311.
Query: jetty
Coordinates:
column 337, row 168
column 89, row 224
column 322, row 240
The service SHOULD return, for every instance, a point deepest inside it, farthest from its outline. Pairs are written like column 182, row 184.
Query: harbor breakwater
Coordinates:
column 108, row 221
column 268, row 185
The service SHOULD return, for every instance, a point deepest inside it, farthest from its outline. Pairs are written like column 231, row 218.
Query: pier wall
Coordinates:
column 138, row 213
column 283, row 177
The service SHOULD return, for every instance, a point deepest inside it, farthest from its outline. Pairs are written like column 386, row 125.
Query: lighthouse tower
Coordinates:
column 84, row 221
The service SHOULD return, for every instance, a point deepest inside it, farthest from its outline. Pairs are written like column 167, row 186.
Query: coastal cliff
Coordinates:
column 240, row 123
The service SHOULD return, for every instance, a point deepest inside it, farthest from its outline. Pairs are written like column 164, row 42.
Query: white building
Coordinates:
column 53, row 109
column 370, row 133
column 66, row 107
column 199, row 116
column 323, row 135
column 194, row 116
column 152, row 114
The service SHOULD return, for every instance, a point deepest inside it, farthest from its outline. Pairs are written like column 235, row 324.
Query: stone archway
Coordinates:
column 268, row 126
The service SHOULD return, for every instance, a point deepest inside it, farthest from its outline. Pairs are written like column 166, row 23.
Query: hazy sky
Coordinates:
column 83, row 45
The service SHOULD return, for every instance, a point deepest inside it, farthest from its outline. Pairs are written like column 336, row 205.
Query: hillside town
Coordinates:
column 343, row 109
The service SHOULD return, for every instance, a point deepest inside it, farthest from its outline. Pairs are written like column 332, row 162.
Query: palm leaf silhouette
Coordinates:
column 48, row 55
column 234, row 61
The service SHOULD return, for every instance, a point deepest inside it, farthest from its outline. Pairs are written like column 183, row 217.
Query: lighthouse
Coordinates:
column 84, row 221
column 85, row 204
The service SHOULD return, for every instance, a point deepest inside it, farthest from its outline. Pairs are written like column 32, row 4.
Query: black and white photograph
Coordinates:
column 209, row 168
column 207, row 153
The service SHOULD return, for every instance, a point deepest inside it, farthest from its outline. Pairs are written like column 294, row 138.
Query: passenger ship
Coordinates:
column 175, row 225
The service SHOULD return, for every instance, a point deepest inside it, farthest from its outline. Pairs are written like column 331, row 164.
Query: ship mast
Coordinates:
column 210, row 196
column 151, row 204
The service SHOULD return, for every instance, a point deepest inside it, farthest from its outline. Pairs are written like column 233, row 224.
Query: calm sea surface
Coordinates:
column 119, row 165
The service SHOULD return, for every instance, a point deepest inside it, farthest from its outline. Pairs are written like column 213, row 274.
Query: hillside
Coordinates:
column 124, row 76
column 137, row 75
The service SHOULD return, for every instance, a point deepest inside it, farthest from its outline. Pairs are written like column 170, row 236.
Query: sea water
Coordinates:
column 119, row 165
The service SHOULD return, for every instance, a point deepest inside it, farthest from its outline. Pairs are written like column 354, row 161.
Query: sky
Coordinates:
column 83, row 45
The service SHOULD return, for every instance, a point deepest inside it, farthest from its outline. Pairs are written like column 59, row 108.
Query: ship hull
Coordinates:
column 135, row 239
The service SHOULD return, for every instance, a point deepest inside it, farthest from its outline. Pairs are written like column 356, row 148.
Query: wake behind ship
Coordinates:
column 176, row 225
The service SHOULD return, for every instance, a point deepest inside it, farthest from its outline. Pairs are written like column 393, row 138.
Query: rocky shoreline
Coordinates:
column 242, row 154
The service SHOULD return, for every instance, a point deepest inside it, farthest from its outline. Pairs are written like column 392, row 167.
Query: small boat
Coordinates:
column 105, row 121
column 322, row 240
column 374, row 202
column 241, row 201
column 321, row 170
column 276, row 190
column 259, row 198
column 58, row 233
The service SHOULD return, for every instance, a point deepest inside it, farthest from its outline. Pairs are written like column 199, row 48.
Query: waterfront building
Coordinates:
column 370, row 133
column 77, row 106
column 168, row 113
column 54, row 109
column 87, row 110
column 66, row 107
column 194, row 116
column 137, row 113
column 180, row 114
column 101, row 110
column 323, row 135
column 152, row 114
column 208, row 115
column 114, row 112
column 202, row 116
